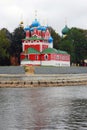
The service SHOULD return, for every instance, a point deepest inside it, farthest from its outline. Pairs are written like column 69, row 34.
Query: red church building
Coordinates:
column 37, row 48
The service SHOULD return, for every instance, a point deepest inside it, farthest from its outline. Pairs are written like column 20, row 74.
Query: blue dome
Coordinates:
column 27, row 28
column 43, row 28
column 31, row 29
column 39, row 28
column 35, row 23
column 50, row 39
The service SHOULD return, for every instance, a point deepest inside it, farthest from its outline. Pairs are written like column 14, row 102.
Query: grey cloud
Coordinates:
column 54, row 11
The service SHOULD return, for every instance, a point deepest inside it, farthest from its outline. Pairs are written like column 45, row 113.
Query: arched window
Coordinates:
column 36, row 57
column 46, row 57
column 32, row 41
column 37, row 41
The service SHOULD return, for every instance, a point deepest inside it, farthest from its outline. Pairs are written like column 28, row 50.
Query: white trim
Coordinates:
column 30, row 62
column 55, row 63
column 46, row 63
column 35, row 43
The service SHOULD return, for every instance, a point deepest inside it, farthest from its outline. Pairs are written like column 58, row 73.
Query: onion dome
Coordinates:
column 35, row 23
column 32, row 29
column 21, row 24
column 65, row 30
column 43, row 28
column 39, row 28
column 50, row 40
column 27, row 28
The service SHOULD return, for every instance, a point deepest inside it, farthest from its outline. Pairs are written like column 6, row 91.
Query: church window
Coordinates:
column 37, row 41
column 46, row 57
column 36, row 57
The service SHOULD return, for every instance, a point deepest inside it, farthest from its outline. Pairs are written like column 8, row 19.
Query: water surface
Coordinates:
column 51, row 108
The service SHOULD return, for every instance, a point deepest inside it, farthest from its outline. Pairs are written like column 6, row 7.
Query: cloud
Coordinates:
column 51, row 12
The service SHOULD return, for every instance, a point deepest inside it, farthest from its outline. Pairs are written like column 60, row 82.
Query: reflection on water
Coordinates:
column 61, row 108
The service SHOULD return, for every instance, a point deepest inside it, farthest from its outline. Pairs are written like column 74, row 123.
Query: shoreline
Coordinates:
column 41, row 80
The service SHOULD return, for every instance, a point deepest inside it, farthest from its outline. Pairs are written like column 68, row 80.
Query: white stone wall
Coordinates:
column 30, row 63
column 55, row 63
column 46, row 63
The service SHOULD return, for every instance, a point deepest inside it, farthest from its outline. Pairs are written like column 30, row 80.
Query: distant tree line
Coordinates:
column 11, row 46
column 75, row 43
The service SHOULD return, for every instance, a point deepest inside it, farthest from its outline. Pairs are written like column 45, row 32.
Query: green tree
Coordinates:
column 4, row 47
column 67, row 46
column 75, row 43
column 56, row 38
column 79, row 41
column 16, row 46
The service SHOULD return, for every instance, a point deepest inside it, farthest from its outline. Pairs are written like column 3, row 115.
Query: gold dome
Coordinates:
column 21, row 24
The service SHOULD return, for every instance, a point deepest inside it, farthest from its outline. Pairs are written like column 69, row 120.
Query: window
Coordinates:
column 36, row 57
column 46, row 57
column 37, row 41
column 32, row 41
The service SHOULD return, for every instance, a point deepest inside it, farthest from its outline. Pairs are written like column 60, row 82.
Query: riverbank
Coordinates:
column 55, row 80
column 18, row 76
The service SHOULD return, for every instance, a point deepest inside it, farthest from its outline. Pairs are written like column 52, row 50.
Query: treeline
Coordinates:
column 75, row 43
column 11, row 46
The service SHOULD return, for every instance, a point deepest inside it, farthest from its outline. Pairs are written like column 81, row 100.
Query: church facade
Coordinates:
column 37, row 48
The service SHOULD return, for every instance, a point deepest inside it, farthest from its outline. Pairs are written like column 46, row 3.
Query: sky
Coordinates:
column 54, row 13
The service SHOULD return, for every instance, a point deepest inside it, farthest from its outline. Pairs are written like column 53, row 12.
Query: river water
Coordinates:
column 47, row 108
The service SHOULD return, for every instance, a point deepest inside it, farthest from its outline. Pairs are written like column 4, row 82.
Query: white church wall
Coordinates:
column 30, row 63
column 55, row 63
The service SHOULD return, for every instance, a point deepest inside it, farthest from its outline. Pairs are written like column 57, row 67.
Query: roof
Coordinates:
column 32, row 51
column 61, row 52
column 43, row 28
column 34, row 38
column 52, row 50
column 35, row 23
column 50, row 40
column 27, row 28
column 49, row 50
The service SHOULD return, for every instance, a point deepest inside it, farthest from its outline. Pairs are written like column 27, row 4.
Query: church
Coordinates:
column 37, row 48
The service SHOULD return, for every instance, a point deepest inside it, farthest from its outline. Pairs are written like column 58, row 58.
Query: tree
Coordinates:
column 76, row 44
column 4, row 47
column 16, row 46
column 67, row 46
column 79, row 41
column 56, row 38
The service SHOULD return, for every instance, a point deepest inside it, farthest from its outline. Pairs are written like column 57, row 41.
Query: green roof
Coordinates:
column 61, row 52
column 32, row 51
column 49, row 50
column 52, row 50
column 34, row 38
